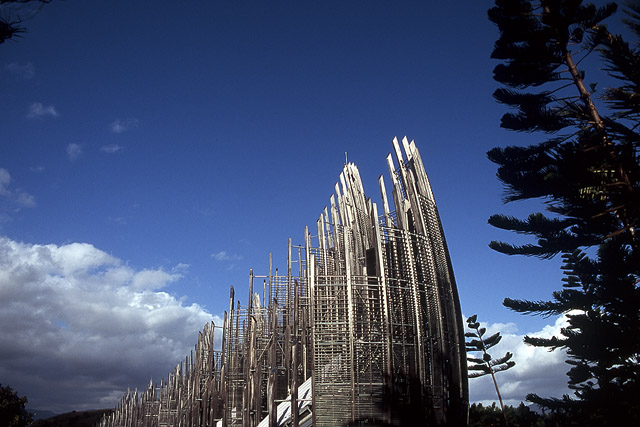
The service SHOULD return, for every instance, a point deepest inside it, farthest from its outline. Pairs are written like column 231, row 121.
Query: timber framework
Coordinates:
column 363, row 327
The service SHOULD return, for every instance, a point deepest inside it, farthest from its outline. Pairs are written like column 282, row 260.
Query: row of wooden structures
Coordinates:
column 366, row 313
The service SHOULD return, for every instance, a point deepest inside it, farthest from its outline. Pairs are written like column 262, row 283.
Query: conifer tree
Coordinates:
column 587, row 173
column 486, row 364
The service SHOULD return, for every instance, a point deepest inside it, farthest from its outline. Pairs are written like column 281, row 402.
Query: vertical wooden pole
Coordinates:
column 247, row 397
column 226, row 344
column 304, row 310
column 311, row 282
column 251, row 383
column 294, row 358
column 386, row 318
column 288, row 302
column 350, row 303
column 273, row 368
column 287, row 320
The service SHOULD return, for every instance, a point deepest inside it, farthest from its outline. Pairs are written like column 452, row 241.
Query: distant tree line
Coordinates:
column 519, row 416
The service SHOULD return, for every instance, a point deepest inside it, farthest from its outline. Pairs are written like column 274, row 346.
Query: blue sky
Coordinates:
column 158, row 150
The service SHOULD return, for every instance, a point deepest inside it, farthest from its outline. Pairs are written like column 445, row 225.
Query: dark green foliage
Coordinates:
column 534, row 114
column 604, row 369
column 623, row 63
column 521, row 416
column 12, row 409
column 588, row 176
column 12, row 15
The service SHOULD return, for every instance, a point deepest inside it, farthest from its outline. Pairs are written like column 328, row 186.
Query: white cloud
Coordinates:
column 153, row 279
column 14, row 198
column 74, row 151
column 180, row 268
column 111, row 148
column 224, row 256
column 123, row 125
column 36, row 109
column 24, row 199
column 79, row 318
column 25, row 72
column 537, row 370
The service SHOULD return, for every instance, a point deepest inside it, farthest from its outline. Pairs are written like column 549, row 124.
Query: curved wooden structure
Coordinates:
column 366, row 320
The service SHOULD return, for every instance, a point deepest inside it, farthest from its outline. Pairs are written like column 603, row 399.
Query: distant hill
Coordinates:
column 40, row 414
column 73, row 419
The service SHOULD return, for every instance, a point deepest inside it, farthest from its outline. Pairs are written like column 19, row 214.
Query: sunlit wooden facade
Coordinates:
column 364, row 326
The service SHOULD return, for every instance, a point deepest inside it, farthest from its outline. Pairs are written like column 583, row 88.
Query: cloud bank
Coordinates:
column 536, row 371
column 78, row 326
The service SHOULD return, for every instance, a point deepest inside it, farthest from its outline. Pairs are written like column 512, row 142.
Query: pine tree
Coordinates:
column 587, row 173
column 486, row 364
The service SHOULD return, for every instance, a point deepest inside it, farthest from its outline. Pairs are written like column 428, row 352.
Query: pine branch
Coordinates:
column 553, row 403
column 539, row 308
column 552, row 343
column 633, row 12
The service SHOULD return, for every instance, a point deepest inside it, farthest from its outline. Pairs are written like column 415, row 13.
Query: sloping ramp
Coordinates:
column 284, row 409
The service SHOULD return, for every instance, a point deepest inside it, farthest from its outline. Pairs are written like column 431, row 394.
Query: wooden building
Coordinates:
column 363, row 327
